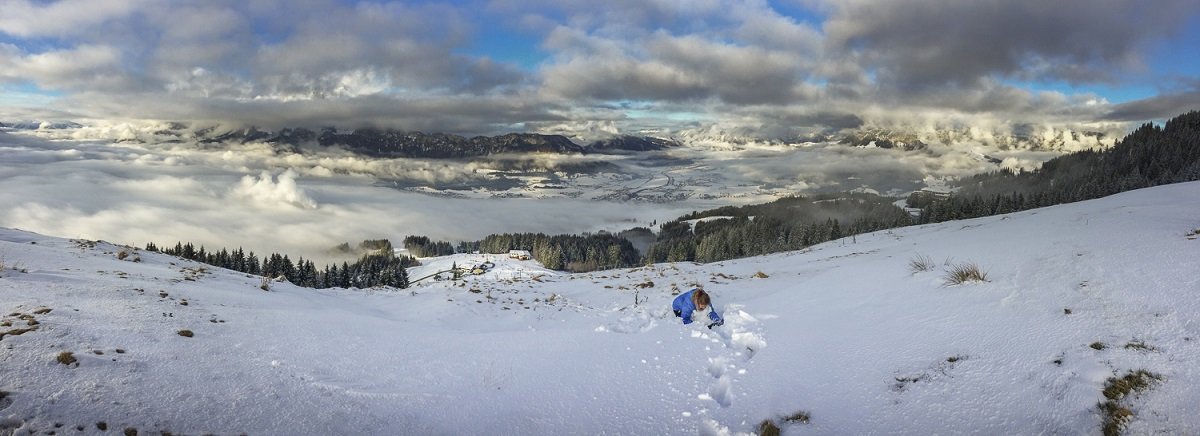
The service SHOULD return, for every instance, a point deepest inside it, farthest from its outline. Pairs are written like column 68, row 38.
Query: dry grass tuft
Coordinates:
column 1115, row 389
column 185, row 333
column 16, row 332
column 1140, row 346
column 800, row 417
column 965, row 273
column 760, row 275
column 920, row 263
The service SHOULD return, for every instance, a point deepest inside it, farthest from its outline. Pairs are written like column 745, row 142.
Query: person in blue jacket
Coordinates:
column 693, row 300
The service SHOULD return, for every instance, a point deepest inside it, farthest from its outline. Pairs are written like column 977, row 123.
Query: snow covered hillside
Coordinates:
column 848, row 333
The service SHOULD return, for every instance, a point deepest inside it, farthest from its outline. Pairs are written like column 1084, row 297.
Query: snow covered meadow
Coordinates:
column 857, row 336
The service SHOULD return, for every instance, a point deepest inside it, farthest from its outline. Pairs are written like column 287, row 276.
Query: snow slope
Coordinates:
column 844, row 331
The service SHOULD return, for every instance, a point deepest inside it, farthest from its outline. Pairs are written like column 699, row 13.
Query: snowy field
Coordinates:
column 845, row 332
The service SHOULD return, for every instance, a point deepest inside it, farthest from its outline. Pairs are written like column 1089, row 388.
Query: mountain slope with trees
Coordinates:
column 1152, row 155
column 786, row 224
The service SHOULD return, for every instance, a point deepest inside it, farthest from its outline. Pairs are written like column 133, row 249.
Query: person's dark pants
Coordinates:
column 678, row 314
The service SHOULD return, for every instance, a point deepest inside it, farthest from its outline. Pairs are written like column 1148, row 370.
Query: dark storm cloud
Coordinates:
column 461, row 115
column 1158, row 107
column 725, row 51
column 917, row 44
column 672, row 68
column 825, row 119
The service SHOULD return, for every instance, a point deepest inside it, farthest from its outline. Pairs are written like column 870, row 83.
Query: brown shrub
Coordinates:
column 66, row 358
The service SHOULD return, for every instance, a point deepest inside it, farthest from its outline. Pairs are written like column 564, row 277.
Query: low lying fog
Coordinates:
column 302, row 204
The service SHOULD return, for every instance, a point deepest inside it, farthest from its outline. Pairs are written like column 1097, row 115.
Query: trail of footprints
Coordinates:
column 739, row 345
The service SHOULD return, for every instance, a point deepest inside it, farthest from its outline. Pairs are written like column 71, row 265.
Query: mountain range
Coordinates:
column 393, row 143
column 389, row 143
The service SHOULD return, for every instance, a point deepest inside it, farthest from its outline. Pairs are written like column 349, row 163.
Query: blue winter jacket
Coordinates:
column 683, row 304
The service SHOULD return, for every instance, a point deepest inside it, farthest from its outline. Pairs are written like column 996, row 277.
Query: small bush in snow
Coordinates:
column 920, row 263
column 125, row 253
column 760, row 275
column 66, row 358
column 965, row 273
column 9, row 266
column 768, row 428
column 1098, row 345
column 185, row 333
column 1115, row 389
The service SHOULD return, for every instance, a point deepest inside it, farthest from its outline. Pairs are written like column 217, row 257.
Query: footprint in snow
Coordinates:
column 722, row 391
column 735, row 336
column 717, row 366
column 635, row 323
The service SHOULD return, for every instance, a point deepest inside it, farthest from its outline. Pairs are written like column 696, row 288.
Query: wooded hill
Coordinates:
column 785, row 224
column 1152, row 155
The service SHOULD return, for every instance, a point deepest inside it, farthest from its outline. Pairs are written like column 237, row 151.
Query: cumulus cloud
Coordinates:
column 97, row 67
column 63, row 18
column 265, row 191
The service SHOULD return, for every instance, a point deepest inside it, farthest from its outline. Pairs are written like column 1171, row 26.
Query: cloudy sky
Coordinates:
column 571, row 66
